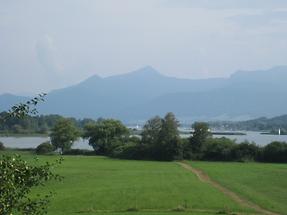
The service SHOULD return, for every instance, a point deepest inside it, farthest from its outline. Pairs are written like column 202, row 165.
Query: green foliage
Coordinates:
column 105, row 135
column 219, row 149
column 45, row 148
column 132, row 149
column 23, row 109
column 63, row 134
column 170, row 143
column 198, row 140
column 246, row 151
column 17, row 178
column 260, row 124
column 275, row 152
column 2, row 147
column 151, row 131
column 161, row 138
column 34, row 124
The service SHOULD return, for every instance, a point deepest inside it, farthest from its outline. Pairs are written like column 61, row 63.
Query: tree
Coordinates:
column 21, row 110
column 2, row 147
column 219, row 149
column 161, row 138
column 17, row 179
column 200, row 135
column 245, row 151
column 105, row 135
column 151, row 131
column 63, row 135
column 275, row 152
column 170, row 144
column 44, row 148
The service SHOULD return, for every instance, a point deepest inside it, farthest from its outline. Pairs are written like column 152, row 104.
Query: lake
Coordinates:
column 33, row 142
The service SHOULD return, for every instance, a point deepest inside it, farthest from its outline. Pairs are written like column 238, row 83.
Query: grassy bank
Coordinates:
column 262, row 183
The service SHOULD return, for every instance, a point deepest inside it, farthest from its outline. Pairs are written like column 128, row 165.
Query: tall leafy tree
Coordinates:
column 170, row 139
column 105, row 135
column 64, row 134
column 161, row 137
column 151, row 131
column 200, row 135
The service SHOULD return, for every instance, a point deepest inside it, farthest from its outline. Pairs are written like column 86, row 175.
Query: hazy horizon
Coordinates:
column 46, row 45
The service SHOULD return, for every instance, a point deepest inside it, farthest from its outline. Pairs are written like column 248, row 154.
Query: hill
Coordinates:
column 259, row 124
column 144, row 93
column 7, row 100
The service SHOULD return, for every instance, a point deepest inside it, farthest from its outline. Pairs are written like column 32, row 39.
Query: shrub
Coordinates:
column 218, row 149
column 2, row 147
column 131, row 151
column 45, row 148
column 17, row 179
column 246, row 151
column 275, row 152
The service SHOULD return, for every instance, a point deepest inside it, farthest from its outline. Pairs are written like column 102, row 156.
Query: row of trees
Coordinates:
column 42, row 124
column 159, row 140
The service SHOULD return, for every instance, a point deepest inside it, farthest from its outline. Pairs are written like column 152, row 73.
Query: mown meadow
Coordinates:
column 101, row 185
column 262, row 183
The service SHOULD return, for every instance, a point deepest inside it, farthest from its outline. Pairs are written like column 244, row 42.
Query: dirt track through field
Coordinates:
column 203, row 177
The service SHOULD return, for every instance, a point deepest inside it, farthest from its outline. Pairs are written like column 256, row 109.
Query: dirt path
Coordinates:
column 240, row 200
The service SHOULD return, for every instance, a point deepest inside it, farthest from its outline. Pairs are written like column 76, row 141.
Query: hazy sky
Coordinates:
column 54, row 43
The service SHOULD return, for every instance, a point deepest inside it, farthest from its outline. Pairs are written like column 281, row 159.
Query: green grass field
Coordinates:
column 99, row 185
column 93, row 184
column 264, row 184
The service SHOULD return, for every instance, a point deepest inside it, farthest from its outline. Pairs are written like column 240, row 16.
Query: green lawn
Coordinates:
column 264, row 184
column 99, row 185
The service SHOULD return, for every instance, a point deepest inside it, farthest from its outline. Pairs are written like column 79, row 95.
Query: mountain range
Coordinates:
column 144, row 93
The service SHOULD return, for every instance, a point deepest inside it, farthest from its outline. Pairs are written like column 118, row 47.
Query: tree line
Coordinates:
column 159, row 140
column 260, row 124
column 37, row 124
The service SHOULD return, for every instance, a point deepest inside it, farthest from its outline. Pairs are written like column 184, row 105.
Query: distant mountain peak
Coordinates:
column 147, row 70
column 92, row 79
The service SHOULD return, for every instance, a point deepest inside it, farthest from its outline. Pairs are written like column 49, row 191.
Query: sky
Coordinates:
column 50, row 44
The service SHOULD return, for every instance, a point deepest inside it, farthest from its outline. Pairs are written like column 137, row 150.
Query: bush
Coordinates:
column 218, row 149
column 130, row 150
column 2, row 147
column 17, row 180
column 45, row 148
column 186, row 149
column 275, row 152
column 246, row 151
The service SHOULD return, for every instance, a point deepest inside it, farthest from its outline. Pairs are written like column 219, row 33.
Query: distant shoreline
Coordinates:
column 23, row 135
column 226, row 133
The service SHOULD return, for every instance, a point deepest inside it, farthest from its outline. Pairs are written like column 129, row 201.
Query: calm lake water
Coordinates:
column 33, row 142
